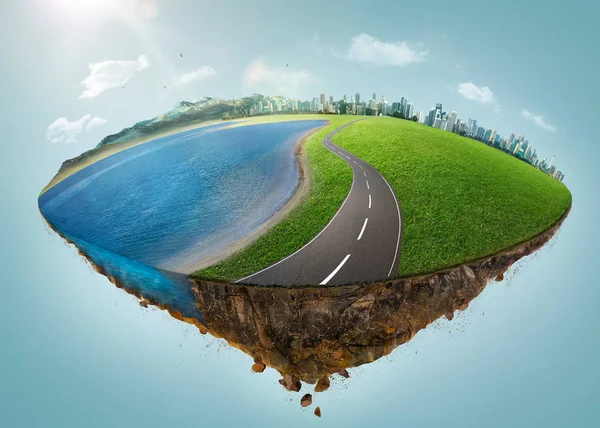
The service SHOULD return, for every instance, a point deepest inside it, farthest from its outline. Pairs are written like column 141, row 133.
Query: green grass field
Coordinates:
column 461, row 200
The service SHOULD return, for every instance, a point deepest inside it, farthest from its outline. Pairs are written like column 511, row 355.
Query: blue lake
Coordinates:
column 175, row 200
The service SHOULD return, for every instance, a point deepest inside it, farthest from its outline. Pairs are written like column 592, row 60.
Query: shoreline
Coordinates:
column 103, row 152
column 298, row 195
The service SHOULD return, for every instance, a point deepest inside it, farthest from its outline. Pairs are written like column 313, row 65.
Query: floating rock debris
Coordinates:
column 322, row 384
column 144, row 303
column 318, row 412
column 258, row 367
column 306, row 400
column 344, row 373
column 291, row 383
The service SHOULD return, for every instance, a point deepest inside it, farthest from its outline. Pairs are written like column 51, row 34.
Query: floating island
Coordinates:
column 313, row 243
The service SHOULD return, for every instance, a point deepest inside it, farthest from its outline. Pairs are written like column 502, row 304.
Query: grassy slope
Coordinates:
column 461, row 199
column 331, row 179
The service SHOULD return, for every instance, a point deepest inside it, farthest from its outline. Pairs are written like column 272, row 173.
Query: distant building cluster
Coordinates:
column 436, row 117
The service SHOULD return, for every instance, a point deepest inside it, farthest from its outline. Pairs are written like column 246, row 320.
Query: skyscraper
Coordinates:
column 419, row 115
column 357, row 98
column 438, row 108
column 480, row 133
column 410, row 108
column 403, row 103
column 473, row 128
column 511, row 138
column 375, row 96
column 451, row 121
column 431, row 117
column 486, row 136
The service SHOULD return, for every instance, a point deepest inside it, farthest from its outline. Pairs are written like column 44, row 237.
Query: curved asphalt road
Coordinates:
column 361, row 243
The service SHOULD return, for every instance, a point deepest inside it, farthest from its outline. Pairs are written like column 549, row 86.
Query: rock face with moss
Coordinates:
column 308, row 334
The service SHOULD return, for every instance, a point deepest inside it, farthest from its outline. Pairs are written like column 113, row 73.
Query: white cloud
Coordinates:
column 367, row 49
column 282, row 79
column 481, row 94
column 538, row 120
column 193, row 76
column 111, row 74
column 64, row 131
column 94, row 122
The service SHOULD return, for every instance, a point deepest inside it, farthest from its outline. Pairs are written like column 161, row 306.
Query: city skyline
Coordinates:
column 518, row 147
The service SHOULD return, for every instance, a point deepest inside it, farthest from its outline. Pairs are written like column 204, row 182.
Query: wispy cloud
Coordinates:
column 480, row 94
column 111, row 74
column 283, row 79
column 202, row 73
column 313, row 45
column 538, row 120
column 369, row 50
column 94, row 122
column 64, row 131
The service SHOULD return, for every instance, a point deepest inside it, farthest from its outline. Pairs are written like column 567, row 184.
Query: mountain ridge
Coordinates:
column 183, row 113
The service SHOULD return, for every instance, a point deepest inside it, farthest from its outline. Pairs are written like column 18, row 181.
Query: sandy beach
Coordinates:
column 299, row 194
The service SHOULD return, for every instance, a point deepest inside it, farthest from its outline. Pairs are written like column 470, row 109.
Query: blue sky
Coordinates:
column 77, row 351
column 509, row 59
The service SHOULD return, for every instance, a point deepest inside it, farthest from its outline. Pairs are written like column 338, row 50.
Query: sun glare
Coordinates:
column 91, row 10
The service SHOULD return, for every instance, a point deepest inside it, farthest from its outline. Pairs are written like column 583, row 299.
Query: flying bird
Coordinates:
column 286, row 64
column 181, row 55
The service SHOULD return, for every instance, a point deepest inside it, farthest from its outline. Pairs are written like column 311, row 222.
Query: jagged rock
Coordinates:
column 306, row 400
column 258, row 367
column 318, row 411
column 143, row 303
column 450, row 315
column 322, row 384
column 500, row 277
column 344, row 373
column 307, row 333
column 291, row 383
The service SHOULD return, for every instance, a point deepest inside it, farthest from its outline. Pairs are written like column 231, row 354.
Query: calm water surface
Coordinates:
column 180, row 198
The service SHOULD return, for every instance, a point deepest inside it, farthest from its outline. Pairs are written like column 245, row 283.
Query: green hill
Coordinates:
column 461, row 199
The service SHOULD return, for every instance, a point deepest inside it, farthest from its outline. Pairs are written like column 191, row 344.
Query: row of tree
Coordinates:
column 400, row 115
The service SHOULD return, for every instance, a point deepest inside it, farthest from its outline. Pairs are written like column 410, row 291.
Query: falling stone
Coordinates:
column 322, row 384
column 306, row 400
column 258, row 367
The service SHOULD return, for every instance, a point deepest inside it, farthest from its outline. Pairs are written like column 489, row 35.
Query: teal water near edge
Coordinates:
column 140, row 213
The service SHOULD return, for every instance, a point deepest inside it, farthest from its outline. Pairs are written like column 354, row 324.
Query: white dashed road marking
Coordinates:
column 332, row 274
column 362, row 230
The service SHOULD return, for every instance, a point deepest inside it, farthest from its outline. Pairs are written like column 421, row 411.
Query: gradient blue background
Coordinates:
column 76, row 351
